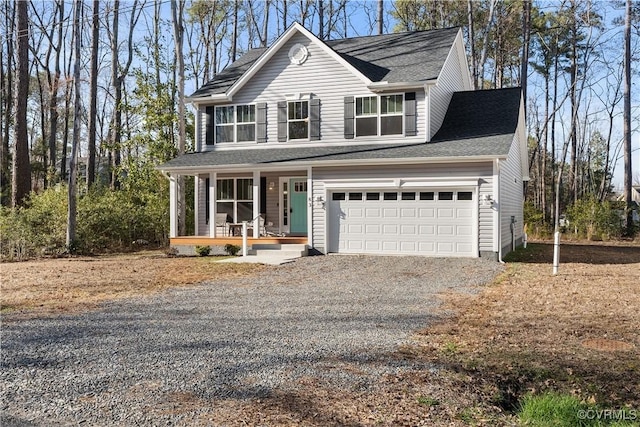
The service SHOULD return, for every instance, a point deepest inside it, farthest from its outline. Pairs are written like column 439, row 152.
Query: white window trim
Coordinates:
column 234, row 124
column 378, row 114
column 235, row 199
column 307, row 138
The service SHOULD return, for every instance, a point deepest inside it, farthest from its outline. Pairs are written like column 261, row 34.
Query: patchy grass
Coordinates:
column 67, row 284
column 555, row 409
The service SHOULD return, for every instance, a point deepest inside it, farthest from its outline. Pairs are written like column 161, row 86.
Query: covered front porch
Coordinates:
column 275, row 204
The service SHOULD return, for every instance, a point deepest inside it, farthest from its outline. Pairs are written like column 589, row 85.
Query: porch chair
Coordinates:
column 222, row 220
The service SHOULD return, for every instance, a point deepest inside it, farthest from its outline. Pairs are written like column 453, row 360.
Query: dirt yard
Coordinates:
column 529, row 331
column 66, row 284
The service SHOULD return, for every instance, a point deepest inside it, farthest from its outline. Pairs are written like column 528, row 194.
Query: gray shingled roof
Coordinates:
column 415, row 56
column 477, row 123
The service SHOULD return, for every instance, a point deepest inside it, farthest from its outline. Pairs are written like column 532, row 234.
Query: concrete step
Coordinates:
column 280, row 246
column 281, row 250
column 275, row 252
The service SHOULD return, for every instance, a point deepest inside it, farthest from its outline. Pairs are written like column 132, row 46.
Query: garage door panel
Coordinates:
column 427, row 230
column 445, row 213
column 404, row 226
column 464, row 230
column 445, row 230
column 354, row 228
column 389, row 245
column 426, row 247
column 427, row 213
column 373, row 212
column 391, row 213
column 372, row 228
column 464, row 213
column 445, row 247
column 408, row 213
column 372, row 245
column 408, row 229
column 389, row 229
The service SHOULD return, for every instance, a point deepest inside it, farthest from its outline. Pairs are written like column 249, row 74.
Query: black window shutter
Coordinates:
column 314, row 119
column 209, row 126
column 410, row 126
column 263, row 195
column 261, row 131
column 349, row 115
column 282, row 121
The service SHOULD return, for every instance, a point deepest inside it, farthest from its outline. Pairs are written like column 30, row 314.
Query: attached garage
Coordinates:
column 420, row 221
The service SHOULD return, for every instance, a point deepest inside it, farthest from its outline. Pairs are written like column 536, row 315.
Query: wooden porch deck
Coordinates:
column 234, row 240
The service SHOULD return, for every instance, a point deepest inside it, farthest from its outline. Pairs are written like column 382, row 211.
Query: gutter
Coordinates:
column 326, row 163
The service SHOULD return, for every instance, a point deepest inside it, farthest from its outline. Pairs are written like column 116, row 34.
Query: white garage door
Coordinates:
column 420, row 222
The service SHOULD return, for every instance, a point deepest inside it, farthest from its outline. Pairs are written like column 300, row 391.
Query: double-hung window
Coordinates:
column 391, row 114
column 235, row 123
column 379, row 115
column 367, row 116
column 298, row 119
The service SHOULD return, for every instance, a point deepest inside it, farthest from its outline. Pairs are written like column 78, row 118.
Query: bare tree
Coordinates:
column 71, row 208
column 93, row 94
column 6, row 105
column 118, row 74
column 627, row 119
column 380, row 16
column 21, row 174
column 177, row 14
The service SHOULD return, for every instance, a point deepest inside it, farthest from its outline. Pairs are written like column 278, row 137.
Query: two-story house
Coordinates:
column 372, row 145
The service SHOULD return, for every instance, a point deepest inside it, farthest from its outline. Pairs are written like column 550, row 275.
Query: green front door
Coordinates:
column 298, row 206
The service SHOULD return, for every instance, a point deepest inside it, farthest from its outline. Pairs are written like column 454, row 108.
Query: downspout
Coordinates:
column 500, row 260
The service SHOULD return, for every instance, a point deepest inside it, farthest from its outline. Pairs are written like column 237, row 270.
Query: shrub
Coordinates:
column 203, row 250
column 106, row 220
column 231, row 249
column 594, row 220
column 534, row 222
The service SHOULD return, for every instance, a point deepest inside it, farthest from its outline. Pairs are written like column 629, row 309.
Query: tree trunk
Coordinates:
column 472, row 45
column 627, row 120
column 117, row 98
column 321, row 19
column 7, row 106
column 93, row 95
column 526, row 31
column 380, row 16
column 234, row 42
column 284, row 15
column 71, row 212
column 21, row 182
column 53, row 97
column 177, row 10
column 485, row 44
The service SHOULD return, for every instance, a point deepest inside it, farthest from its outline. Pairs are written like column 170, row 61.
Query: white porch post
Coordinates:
column 310, row 205
column 212, row 204
column 196, row 204
column 256, row 203
column 173, row 207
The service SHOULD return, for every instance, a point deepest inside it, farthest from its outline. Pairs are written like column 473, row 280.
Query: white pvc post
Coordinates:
column 245, row 249
column 525, row 240
column 556, row 252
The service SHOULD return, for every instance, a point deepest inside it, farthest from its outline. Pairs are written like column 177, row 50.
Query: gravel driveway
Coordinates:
column 237, row 339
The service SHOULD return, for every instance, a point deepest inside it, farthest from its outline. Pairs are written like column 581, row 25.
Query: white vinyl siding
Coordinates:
column 321, row 76
column 511, row 197
column 451, row 79
column 483, row 171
